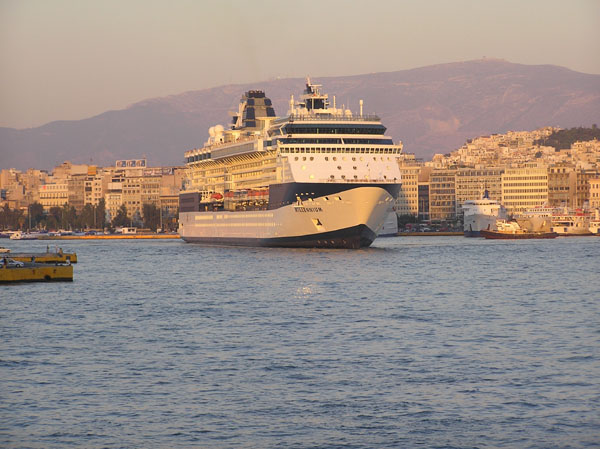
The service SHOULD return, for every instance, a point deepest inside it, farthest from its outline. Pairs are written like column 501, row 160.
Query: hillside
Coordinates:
column 431, row 109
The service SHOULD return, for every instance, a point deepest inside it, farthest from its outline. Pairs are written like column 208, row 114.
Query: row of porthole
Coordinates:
column 355, row 177
column 311, row 158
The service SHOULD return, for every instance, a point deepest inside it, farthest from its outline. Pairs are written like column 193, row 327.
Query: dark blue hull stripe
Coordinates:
column 360, row 236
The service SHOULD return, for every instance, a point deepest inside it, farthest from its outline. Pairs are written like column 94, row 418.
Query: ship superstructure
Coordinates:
column 319, row 177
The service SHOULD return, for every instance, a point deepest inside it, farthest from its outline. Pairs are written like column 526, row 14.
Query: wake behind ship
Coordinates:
column 320, row 177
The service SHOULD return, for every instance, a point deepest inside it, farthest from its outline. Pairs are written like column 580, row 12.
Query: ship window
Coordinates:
column 326, row 158
column 339, row 167
column 355, row 177
column 334, row 158
column 354, row 160
column 332, row 177
column 296, row 158
column 303, row 158
column 312, row 158
column 343, row 176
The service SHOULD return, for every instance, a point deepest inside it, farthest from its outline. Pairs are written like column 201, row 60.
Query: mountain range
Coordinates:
column 432, row 109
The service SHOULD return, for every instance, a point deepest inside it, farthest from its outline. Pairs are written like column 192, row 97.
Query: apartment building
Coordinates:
column 524, row 187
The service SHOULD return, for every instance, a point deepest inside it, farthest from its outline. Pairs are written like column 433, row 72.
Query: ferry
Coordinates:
column 321, row 176
column 482, row 214
column 538, row 219
column 571, row 222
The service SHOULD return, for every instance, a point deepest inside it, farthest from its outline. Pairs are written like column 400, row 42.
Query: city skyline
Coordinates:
column 68, row 61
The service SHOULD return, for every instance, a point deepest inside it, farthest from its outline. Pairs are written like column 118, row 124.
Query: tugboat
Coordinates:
column 510, row 230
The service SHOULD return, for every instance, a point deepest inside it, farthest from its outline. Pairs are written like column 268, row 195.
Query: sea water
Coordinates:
column 414, row 342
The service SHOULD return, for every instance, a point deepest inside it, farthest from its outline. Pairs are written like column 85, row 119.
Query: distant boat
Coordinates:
column 538, row 219
column 19, row 235
column 481, row 214
column 572, row 222
column 510, row 230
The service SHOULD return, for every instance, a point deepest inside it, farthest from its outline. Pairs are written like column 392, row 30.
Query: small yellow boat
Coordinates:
column 36, row 272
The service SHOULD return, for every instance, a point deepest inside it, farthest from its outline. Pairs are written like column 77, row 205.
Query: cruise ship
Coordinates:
column 482, row 214
column 321, row 176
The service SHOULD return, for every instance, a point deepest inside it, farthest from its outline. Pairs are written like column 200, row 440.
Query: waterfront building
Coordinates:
column 408, row 197
column 442, row 194
column 55, row 193
column 76, row 190
column 594, row 198
column 95, row 185
column 524, row 187
column 424, row 193
column 562, row 184
column 582, row 194
column 21, row 189
column 113, row 198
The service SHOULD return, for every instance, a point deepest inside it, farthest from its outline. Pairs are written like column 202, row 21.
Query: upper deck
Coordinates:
column 310, row 122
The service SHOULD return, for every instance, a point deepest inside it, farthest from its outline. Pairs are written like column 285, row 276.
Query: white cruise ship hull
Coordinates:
column 351, row 218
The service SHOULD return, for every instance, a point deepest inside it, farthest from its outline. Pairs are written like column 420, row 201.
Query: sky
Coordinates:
column 73, row 59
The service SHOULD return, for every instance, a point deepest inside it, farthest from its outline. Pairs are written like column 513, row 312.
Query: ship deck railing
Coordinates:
column 333, row 118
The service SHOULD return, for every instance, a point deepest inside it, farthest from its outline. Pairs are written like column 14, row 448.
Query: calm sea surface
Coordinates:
column 414, row 342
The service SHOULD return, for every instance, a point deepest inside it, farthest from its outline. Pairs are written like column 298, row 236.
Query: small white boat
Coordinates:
column 25, row 235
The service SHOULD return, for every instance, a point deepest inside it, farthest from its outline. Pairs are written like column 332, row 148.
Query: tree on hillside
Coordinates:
column 564, row 138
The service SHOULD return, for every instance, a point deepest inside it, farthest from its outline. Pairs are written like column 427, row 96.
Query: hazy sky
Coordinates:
column 71, row 59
